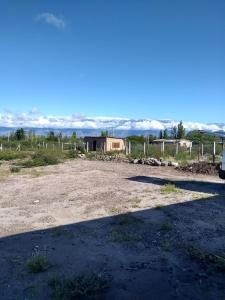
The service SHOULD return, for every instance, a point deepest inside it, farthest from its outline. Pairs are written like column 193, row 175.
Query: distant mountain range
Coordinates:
column 81, row 132
column 4, row 131
column 84, row 125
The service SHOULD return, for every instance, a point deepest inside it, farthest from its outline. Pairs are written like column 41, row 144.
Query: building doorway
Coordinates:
column 94, row 145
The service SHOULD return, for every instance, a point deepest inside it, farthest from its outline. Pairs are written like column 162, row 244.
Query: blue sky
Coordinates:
column 134, row 59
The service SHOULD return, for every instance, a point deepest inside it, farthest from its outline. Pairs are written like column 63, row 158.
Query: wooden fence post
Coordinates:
column 62, row 147
column 126, row 148
column 162, row 147
column 190, row 150
column 129, row 147
column 214, row 152
column 87, row 147
column 1, row 149
column 104, row 147
column 144, row 148
column 177, row 148
column 75, row 146
column 202, row 150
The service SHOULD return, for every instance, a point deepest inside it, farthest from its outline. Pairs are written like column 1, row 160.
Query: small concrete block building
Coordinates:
column 182, row 142
column 101, row 143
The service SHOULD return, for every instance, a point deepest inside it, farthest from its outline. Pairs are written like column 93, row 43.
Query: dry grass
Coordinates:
column 169, row 188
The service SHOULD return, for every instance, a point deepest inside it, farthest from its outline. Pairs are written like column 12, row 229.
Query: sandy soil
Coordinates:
column 114, row 220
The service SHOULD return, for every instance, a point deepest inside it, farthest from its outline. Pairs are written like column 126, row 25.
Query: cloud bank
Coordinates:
column 51, row 19
column 35, row 119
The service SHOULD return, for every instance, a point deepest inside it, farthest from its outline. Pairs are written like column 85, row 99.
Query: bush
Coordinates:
column 90, row 155
column 41, row 159
column 86, row 286
column 39, row 263
column 72, row 154
column 10, row 155
column 15, row 169
column 169, row 188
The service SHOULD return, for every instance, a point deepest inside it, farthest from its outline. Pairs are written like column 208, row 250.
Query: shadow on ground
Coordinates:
column 170, row 252
column 191, row 185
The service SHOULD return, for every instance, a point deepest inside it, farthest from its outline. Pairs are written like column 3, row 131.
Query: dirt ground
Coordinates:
column 117, row 220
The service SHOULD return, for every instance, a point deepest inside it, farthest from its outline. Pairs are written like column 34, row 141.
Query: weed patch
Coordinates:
column 118, row 236
column 169, row 188
column 41, row 159
column 38, row 263
column 158, row 206
column 15, row 169
column 210, row 260
column 166, row 226
column 10, row 155
column 85, row 286
column 166, row 246
column 127, row 220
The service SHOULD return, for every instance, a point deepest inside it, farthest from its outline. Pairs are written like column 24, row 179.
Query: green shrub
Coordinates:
column 10, row 155
column 210, row 260
column 127, row 220
column 166, row 226
column 119, row 236
column 39, row 263
column 90, row 155
column 72, row 154
column 41, row 159
column 15, row 169
column 86, row 286
column 169, row 188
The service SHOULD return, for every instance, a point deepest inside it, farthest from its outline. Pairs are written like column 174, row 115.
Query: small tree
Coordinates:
column 165, row 134
column 73, row 137
column 180, row 131
column 20, row 134
column 51, row 136
column 161, row 134
column 105, row 133
column 60, row 137
column 174, row 132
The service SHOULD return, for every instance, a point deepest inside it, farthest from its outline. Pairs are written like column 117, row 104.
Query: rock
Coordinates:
column 155, row 162
column 141, row 161
column 135, row 161
column 173, row 164
column 81, row 155
column 164, row 163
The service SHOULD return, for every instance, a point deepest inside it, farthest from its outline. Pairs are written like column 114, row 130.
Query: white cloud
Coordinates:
column 35, row 119
column 34, row 110
column 51, row 19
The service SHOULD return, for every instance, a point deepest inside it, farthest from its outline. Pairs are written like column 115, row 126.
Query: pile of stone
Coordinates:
column 151, row 161
column 206, row 168
column 115, row 158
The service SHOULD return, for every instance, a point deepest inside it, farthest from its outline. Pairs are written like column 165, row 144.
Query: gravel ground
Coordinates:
column 148, row 240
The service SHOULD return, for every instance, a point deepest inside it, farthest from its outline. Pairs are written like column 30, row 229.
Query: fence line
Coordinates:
column 199, row 150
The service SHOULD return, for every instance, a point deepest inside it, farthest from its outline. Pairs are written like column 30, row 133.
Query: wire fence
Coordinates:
column 6, row 146
column 202, row 151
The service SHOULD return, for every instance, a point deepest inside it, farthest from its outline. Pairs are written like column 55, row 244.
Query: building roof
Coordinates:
column 103, row 137
column 171, row 140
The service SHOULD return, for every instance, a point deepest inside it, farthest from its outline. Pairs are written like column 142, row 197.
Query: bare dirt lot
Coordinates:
column 145, row 238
